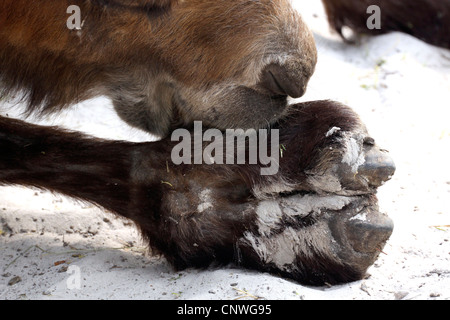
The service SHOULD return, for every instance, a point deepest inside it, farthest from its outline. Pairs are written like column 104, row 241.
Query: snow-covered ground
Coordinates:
column 55, row 248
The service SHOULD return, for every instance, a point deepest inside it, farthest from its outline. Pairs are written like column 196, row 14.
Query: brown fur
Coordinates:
column 163, row 63
column 428, row 20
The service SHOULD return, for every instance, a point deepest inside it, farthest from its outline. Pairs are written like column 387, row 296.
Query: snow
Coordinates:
column 399, row 85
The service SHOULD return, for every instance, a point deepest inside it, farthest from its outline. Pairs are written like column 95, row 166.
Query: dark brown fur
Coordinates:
column 140, row 182
column 428, row 20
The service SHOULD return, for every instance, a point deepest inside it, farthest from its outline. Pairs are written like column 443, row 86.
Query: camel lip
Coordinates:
column 354, row 204
column 351, row 230
column 357, row 225
column 344, row 193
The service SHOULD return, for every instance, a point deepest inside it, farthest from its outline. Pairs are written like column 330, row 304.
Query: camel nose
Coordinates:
column 378, row 167
column 279, row 81
column 370, row 232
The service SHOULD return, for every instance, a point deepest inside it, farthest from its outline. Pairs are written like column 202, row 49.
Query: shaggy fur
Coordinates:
column 196, row 215
column 428, row 20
